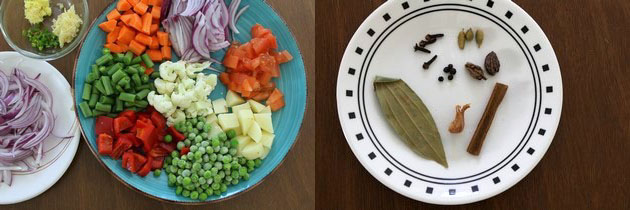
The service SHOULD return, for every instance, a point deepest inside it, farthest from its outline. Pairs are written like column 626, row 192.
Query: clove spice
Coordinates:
column 421, row 49
column 457, row 126
column 428, row 63
column 498, row 93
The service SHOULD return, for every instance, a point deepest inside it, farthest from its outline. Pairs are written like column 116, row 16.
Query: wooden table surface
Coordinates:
column 87, row 185
column 588, row 163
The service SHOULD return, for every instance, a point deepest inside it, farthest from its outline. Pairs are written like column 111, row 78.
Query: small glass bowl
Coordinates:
column 13, row 22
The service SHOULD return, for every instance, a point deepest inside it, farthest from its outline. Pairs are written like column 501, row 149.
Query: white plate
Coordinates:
column 522, row 129
column 59, row 153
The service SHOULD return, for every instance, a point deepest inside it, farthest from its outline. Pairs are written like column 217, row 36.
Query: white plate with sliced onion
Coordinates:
column 47, row 137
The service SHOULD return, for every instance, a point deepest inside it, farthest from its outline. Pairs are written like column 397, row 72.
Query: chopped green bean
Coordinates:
column 114, row 68
column 103, row 107
column 141, row 104
column 91, row 77
column 127, row 58
column 118, row 76
column 131, row 70
column 85, row 109
column 99, row 86
column 107, row 85
column 93, row 100
column 87, row 91
column 127, row 97
column 136, row 80
column 105, row 51
column 106, row 100
column 124, row 82
column 136, row 60
column 147, row 60
column 155, row 75
column 143, row 87
column 104, row 59
column 119, row 106
column 143, row 94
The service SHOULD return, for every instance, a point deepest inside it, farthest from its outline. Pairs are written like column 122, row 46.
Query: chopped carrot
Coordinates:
column 148, row 71
column 126, row 18
column 114, row 48
column 166, row 52
column 225, row 78
column 123, row 5
column 133, row 2
column 261, row 95
column 126, row 35
column 154, row 43
column 145, row 2
column 143, row 39
column 120, row 23
column 155, row 3
column 140, row 8
column 124, row 47
column 112, row 36
column 163, row 38
column 113, row 15
column 108, row 26
column 154, row 28
column 130, row 11
column 146, row 23
column 136, row 47
column 136, row 22
column 156, row 11
column 155, row 55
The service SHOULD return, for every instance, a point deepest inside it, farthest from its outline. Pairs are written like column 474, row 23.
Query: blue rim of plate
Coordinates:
column 295, row 103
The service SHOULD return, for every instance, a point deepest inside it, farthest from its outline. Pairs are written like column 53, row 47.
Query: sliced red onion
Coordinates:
column 192, row 7
column 26, row 120
column 232, row 21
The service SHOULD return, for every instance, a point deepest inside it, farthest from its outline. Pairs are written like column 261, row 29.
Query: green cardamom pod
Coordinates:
column 461, row 39
column 479, row 37
column 469, row 34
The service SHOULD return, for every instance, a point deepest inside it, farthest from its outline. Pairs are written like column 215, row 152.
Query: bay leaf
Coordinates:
column 409, row 117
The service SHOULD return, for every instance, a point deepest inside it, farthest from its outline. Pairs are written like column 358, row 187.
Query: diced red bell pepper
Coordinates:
column 146, row 168
column 132, row 138
column 158, row 152
column 105, row 144
column 144, row 117
column 150, row 109
column 168, row 147
column 104, row 125
column 145, row 132
column 121, row 124
column 158, row 120
column 120, row 147
column 129, row 114
column 177, row 136
column 185, row 150
column 129, row 162
column 140, row 160
column 157, row 163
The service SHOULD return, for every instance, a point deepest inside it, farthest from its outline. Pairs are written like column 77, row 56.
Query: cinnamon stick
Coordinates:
column 474, row 147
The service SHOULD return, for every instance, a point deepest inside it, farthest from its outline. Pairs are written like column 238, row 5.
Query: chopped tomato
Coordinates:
column 140, row 160
column 104, row 125
column 121, row 124
column 177, row 136
column 129, row 162
column 105, row 144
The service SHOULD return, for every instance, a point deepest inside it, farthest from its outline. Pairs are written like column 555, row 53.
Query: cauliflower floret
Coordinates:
column 188, row 83
column 167, row 71
column 164, row 87
column 182, row 99
column 162, row 103
column 204, row 107
column 181, row 70
column 191, row 111
column 177, row 116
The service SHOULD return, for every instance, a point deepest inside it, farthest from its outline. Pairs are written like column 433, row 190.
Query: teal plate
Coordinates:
column 286, row 122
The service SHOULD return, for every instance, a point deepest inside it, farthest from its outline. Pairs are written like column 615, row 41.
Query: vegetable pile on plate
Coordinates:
column 158, row 116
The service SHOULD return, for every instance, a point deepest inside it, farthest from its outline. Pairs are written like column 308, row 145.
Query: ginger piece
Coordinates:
column 457, row 125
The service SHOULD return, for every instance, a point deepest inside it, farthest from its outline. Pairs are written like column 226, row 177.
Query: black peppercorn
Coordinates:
column 440, row 78
column 450, row 77
column 453, row 71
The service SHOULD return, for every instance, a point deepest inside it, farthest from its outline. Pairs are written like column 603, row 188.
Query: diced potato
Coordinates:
column 220, row 106
column 264, row 120
column 267, row 109
column 228, row 121
column 237, row 108
column 256, row 107
column 267, row 139
column 211, row 118
column 233, row 99
column 215, row 129
column 242, row 142
column 252, row 151
column 245, row 119
column 255, row 132
column 265, row 152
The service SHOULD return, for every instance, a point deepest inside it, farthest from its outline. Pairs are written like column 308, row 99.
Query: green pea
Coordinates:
column 192, row 135
column 195, row 131
column 193, row 148
column 194, row 178
column 250, row 163
column 218, row 165
column 168, row 138
column 186, row 173
column 249, row 170
column 182, row 163
column 172, row 178
column 203, row 196
column 194, row 195
column 193, row 121
column 215, row 186
column 179, row 190
column 234, row 181
column 223, row 187
column 174, row 154
column 189, row 129
column 200, row 125
column 207, row 174
column 217, row 192
column 257, row 162
column 213, row 157
column 233, row 143
column 205, row 157
column 215, row 142
column 180, row 145
column 227, row 166
column 222, row 136
column 204, row 136
column 187, row 142
column 174, row 161
column 191, row 156
column 205, row 143
column 196, row 166
column 180, row 179
column 188, row 165
column 184, row 157
column 246, row 177
column 179, row 171
column 207, row 128
column 233, row 151
column 227, row 172
column 228, row 179
column 227, row 159
column 197, row 155
column 173, row 169
column 157, row 172
column 215, row 171
column 186, row 193
column 198, row 139
column 231, row 133
column 221, row 174
column 216, row 149
column 186, row 180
